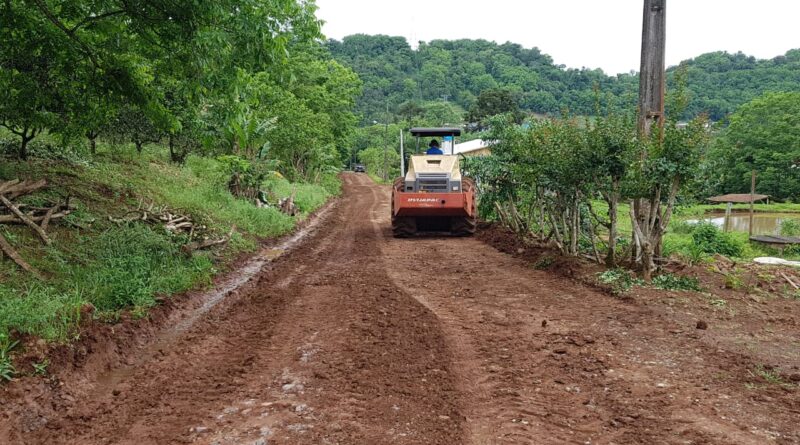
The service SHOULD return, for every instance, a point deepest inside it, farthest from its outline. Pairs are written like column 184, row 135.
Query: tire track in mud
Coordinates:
column 354, row 337
column 562, row 363
column 323, row 349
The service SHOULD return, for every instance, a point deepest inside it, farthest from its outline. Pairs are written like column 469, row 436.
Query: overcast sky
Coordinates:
column 578, row 33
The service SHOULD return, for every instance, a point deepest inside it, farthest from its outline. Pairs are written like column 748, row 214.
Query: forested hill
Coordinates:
column 458, row 70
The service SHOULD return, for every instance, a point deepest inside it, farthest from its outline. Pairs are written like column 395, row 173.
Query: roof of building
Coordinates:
column 470, row 146
column 738, row 198
column 430, row 132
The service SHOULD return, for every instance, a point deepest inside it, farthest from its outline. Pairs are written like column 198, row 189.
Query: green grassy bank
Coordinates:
column 116, row 267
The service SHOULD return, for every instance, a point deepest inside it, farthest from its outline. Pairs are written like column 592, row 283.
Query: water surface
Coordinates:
column 763, row 223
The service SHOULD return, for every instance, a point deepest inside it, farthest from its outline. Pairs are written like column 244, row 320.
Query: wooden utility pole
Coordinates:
column 752, row 198
column 647, row 231
column 402, row 156
column 652, row 77
column 386, row 145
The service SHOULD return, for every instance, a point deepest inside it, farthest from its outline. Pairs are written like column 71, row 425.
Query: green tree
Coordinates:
column 764, row 135
column 130, row 124
column 492, row 103
column 381, row 163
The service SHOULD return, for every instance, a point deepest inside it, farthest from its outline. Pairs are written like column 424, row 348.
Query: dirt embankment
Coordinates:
column 354, row 337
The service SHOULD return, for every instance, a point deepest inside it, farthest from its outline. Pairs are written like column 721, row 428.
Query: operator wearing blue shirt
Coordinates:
column 433, row 148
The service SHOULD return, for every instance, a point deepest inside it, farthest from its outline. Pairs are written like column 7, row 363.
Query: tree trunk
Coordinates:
column 92, row 143
column 139, row 146
column 541, row 212
column 23, row 148
column 172, row 155
column 613, row 204
column 576, row 227
column 648, row 266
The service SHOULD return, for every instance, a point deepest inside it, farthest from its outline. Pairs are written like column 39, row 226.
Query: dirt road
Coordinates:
column 353, row 337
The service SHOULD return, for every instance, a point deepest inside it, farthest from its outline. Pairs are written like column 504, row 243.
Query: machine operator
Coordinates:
column 433, row 148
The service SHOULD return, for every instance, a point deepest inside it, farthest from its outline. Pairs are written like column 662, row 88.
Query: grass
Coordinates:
column 110, row 267
column 308, row 197
column 769, row 376
column 378, row 179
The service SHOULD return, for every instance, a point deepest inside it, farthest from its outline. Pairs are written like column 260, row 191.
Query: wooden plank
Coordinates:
column 773, row 239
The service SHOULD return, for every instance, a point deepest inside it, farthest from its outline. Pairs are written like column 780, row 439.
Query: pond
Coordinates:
column 763, row 223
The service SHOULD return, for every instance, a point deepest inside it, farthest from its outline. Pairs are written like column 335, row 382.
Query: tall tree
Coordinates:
column 492, row 103
column 766, row 131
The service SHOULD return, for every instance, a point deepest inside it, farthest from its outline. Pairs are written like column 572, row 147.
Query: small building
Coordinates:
column 739, row 198
column 475, row 147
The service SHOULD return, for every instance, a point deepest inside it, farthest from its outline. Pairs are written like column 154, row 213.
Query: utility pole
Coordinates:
column 752, row 198
column 386, row 145
column 402, row 156
column 652, row 88
column 652, row 77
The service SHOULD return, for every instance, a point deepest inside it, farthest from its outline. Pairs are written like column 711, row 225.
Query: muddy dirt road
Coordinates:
column 353, row 337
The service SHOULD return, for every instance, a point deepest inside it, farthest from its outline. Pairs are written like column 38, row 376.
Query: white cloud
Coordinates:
column 578, row 33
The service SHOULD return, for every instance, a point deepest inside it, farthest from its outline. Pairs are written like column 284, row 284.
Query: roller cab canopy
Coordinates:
column 434, row 132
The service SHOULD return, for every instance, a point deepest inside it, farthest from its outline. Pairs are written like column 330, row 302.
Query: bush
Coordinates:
column 43, row 148
column 790, row 227
column 709, row 239
column 682, row 227
column 676, row 244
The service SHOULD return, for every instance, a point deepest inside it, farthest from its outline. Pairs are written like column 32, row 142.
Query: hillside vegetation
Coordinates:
column 459, row 70
column 108, row 266
column 214, row 111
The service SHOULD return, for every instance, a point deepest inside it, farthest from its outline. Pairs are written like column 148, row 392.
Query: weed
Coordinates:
column 696, row 255
column 682, row 227
column 765, row 276
column 708, row 238
column 139, row 312
column 620, row 280
column 734, row 279
column 41, row 368
column 768, row 375
column 718, row 302
column 669, row 281
column 109, row 317
column 790, row 227
column 543, row 263
column 7, row 370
